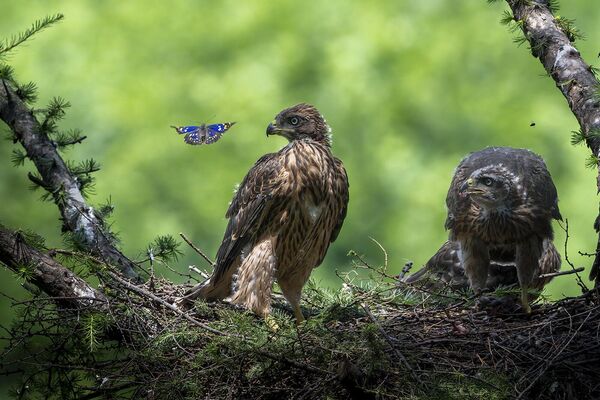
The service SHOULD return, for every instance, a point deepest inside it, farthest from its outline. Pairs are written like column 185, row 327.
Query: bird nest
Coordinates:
column 370, row 339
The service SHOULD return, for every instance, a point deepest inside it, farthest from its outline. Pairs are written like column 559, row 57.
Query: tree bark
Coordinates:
column 43, row 271
column 573, row 77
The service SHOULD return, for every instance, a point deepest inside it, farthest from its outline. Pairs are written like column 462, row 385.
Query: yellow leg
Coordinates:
column 525, row 300
column 298, row 314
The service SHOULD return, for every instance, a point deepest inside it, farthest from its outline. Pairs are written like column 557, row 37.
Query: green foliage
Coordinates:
column 33, row 239
column 68, row 138
column 578, row 137
column 104, row 211
column 92, row 327
column 9, row 45
column 508, row 19
column 568, row 27
column 6, row 72
column 405, row 104
column 455, row 386
column 18, row 157
column 27, row 92
column 25, row 272
column 164, row 247
column 83, row 171
column 591, row 161
column 74, row 241
column 55, row 111
column 553, row 5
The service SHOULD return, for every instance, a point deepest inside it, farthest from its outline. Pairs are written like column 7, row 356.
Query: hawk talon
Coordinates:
column 271, row 323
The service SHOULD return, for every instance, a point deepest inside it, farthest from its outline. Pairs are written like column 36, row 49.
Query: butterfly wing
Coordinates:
column 215, row 131
column 193, row 134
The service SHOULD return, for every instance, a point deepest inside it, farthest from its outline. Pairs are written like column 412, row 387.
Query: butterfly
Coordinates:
column 203, row 134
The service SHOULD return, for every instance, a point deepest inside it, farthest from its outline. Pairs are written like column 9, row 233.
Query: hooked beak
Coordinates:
column 273, row 129
column 466, row 185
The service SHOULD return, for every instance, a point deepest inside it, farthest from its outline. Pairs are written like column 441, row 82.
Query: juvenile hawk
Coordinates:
column 286, row 212
column 501, row 203
column 445, row 269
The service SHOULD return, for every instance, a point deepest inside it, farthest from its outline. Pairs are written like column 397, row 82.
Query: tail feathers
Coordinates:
column 441, row 266
column 210, row 291
column 549, row 262
column 417, row 276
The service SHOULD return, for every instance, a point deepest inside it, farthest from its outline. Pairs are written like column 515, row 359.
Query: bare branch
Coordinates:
column 197, row 250
column 552, row 275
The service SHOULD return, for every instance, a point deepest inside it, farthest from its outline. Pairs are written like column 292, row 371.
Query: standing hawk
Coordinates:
column 286, row 212
column 501, row 203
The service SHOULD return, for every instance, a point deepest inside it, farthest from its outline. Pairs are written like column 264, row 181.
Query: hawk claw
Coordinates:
column 271, row 323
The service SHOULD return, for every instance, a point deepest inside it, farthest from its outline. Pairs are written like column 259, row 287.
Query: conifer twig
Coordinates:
column 9, row 45
column 197, row 250
column 155, row 298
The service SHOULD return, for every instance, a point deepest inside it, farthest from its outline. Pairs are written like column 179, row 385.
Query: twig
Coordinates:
column 561, row 273
column 197, row 250
column 54, row 298
column 385, row 254
column 580, row 282
column 171, row 307
column 391, row 343
column 548, row 363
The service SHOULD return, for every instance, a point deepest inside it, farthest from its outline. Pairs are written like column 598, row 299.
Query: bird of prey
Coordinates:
column 445, row 269
column 501, row 203
column 285, row 213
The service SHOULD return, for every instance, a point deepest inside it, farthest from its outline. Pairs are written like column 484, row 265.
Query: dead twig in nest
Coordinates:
column 197, row 250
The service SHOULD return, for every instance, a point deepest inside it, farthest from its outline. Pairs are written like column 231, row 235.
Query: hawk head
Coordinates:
column 490, row 187
column 301, row 121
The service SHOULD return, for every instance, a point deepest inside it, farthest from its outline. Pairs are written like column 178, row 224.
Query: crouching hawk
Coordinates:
column 286, row 212
column 445, row 269
column 501, row 203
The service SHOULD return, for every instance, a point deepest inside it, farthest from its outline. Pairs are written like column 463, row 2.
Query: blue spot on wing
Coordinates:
column 188, row 129
column 195, row 137
column 204, row 134
column 215, row 131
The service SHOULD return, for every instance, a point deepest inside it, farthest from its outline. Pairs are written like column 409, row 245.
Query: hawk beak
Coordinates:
column 273, row 129
column 466, row 185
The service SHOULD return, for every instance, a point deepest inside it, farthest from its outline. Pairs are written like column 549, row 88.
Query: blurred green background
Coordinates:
column 409, row 87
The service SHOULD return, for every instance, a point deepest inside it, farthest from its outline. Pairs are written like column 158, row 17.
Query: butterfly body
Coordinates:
column 203, row 134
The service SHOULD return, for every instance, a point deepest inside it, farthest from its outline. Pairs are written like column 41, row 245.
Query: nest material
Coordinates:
column 363, row 341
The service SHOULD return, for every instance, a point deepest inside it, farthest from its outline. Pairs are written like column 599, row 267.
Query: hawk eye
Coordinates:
column 487, row 181
column 294, row 121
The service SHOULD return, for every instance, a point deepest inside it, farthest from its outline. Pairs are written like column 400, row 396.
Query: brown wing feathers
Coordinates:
column 247, row 210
